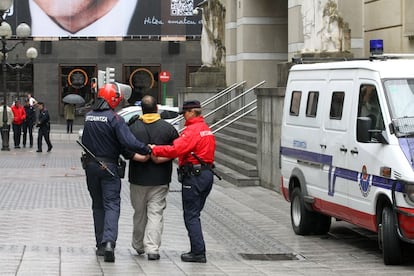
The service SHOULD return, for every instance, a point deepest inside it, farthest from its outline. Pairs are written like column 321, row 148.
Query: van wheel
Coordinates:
column 323, row 224
column 300, row 217
column 391, row 243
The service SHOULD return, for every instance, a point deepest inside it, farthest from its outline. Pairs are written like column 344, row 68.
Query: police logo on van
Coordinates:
column 365, row 181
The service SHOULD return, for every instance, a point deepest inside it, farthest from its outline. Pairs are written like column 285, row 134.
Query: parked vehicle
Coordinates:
column 168, row 113
column 347, row 148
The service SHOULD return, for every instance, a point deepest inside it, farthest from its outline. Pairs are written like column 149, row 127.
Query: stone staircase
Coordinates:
column 236, row 157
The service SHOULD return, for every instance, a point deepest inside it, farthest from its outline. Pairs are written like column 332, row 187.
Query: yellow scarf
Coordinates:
column 150, row 117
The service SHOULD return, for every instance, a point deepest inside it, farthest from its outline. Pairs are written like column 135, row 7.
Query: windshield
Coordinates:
column 400, row 94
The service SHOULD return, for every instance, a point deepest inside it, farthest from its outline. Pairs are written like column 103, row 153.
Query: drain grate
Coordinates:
column 269, row 257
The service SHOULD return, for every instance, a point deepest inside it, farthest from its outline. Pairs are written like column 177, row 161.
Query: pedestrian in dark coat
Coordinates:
column 28, row 123
column 43, row 123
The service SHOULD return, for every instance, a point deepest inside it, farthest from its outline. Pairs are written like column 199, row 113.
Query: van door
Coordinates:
column 334, row 143
column 302, row 130
column 365, row 158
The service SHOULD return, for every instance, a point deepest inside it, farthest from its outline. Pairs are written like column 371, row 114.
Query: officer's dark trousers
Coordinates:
column 43, row 132
column 106, row 200
column 28, row 128
column 194, row 194
column 17, row 133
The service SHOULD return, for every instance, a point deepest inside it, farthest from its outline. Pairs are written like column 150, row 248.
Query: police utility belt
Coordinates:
column 192, row 170
column 120, row 162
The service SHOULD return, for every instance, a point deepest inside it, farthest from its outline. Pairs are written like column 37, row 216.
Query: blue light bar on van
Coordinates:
column 376, row 46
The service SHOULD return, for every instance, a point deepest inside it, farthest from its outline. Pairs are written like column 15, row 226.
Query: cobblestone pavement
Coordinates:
column 46, row 228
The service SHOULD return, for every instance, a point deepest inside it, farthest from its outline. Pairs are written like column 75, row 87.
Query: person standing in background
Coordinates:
column 19, row 115
column 9, row 121
column 69, row 113
column 28, row 123
column 43, row 123
column 32, row 101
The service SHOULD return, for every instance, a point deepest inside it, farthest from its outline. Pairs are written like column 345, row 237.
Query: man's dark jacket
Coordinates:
column 148, row 173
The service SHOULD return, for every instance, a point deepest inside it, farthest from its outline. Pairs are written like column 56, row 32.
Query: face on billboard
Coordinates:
column 94, row 18
column 77, row 14
column 54, row 8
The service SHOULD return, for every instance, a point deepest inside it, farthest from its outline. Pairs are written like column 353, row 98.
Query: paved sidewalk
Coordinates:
column 46, row 228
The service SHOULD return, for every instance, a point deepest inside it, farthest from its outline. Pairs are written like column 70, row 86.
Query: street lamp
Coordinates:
column 22, row 32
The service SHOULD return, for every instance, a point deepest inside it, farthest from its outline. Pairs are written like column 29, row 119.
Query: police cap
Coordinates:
column 188, row 105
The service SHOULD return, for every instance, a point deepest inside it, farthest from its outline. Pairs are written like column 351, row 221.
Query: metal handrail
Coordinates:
column 213, row 98
column 222, row 93
column 233, row 113
column 232, row 100
column 235, row 98
column 235, row 119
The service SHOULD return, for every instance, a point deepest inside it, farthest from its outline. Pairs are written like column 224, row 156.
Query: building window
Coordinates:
column 143, row 80
column 76, row 79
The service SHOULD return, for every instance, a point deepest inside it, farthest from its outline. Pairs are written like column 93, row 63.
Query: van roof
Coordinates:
column 388, row 68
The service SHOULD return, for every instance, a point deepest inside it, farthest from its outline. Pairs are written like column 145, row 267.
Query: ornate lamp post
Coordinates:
column 22, row 32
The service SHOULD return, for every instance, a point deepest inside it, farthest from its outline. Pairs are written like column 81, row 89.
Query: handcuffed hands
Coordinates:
column 140, row 157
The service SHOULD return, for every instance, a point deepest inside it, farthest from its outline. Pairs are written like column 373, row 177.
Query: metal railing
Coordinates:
column 213, row 98
column 219, row 95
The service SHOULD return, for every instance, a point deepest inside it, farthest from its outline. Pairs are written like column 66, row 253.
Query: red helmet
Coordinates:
column 110, row 93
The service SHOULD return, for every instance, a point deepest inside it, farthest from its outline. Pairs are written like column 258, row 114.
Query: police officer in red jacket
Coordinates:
column 195, row 151
column 106, row 135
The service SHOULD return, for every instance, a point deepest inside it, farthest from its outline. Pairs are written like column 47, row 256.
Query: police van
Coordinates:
column 347, row 148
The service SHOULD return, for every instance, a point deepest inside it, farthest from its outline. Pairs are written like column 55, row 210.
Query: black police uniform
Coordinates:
column 44, row 129
column 28, row 124
column 105, row 134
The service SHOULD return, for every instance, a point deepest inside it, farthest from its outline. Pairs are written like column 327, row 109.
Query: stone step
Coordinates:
column 244, row 125
column 236, row 142
column 240, row 166
column 243, row 134
column 239, row 153
column 235, row 177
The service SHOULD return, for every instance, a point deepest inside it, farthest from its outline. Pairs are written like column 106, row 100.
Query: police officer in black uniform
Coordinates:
column 44, row 127
column 106, row 135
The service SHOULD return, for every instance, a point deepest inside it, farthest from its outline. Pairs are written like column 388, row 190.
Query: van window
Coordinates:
column 337, row 105
column 295, row 103
column 312, row 104
column 400, row 93
column 368, row 106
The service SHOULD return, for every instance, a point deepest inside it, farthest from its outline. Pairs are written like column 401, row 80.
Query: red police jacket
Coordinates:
column 196, row 137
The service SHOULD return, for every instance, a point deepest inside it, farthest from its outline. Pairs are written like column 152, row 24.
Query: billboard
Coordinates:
column 95, row 18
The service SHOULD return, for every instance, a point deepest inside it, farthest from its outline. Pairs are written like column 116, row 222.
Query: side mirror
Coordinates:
column 363, row 127
column 365, row 133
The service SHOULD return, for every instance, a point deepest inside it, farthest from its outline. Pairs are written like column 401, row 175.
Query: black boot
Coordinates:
column 100, row 250
column 109, row 255
column 193, row 258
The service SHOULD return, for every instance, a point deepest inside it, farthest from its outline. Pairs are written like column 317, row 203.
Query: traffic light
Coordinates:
column 101, row 78
column 94, row 85
column 110, row 75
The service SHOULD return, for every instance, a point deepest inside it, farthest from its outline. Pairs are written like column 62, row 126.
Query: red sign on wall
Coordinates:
column 164, row 76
